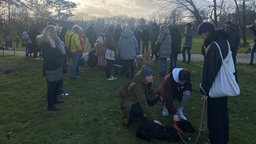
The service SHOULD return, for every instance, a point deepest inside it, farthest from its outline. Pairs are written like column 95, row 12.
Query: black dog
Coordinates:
column 149, row 130
column 185, row 126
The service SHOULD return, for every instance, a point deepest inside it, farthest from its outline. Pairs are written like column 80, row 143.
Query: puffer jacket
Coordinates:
column 165, row 39
column 138, row 92
column 128, row 46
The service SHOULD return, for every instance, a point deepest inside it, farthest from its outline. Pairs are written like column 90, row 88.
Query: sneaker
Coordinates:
column 165, row 111
column 110, row 78
column 113, row 77
column 64, row 94
column 181, row 115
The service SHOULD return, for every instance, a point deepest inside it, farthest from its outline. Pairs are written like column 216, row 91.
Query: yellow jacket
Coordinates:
column 74, row 42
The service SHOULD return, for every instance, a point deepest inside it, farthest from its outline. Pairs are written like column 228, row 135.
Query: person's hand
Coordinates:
column 157, row 122
column 204, row 97
column 176, row 118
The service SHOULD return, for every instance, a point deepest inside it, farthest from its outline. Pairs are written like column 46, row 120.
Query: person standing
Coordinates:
column 52, row 64
column 110, row 45
column 234, row 39
column 128, row 49
column 253, row 49
column 27, row 42
column 153, row 37
column 91, row 34
column 176, row 46
column 217, row 108
column 165, row 50
column 188, row 41
column 145, row 35
column 76, row 51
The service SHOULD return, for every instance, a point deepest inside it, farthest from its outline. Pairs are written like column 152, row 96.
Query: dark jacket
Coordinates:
column 139, row 92
column 212, row 59
column 176, row 40
column 145, row 34
column 110, row 40
column 52, row 57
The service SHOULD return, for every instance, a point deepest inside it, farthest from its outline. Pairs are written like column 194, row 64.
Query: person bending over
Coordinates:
column 175, row 85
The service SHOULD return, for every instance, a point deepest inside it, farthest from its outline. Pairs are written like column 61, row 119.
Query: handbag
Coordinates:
column 110, row 54
column 225, row 83
column 54, row 75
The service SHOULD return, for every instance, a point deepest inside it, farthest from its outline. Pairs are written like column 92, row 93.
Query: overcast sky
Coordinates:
column 133, row 8
column 99, row 8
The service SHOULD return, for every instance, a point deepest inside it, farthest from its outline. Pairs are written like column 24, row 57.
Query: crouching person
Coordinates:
column 139, row 97
column 175, row 85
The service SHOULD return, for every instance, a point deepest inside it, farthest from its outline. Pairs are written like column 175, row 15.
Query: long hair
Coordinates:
column 46, row 35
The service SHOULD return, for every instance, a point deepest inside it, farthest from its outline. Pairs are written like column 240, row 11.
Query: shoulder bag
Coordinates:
column 225, row 83
column 54, row 75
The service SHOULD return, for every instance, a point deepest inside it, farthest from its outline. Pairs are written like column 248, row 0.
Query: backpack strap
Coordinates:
column 70, row 41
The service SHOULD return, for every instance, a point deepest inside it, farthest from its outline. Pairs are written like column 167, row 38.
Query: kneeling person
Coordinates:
column 140, row 96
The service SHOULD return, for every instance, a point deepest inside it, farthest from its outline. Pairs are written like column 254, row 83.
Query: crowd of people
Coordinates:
column 115, row 44
column 176, row 85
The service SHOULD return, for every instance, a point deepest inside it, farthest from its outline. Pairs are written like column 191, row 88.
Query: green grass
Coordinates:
column 91, row 115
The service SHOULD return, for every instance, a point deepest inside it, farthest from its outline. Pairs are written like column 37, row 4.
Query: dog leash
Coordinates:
column 202, row 117
column 181, row 133
column 201, row 122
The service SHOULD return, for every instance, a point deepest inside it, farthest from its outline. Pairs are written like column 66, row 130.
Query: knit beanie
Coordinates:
column 205, row 27
column 146, row 71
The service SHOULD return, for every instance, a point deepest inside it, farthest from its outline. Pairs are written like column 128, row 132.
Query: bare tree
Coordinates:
column 191, row 9
column 63, row 8
column 242, row 23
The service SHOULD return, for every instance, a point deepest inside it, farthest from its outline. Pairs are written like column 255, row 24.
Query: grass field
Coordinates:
column 91, row 115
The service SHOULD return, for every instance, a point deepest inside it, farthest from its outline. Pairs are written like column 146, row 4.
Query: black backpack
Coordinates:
column 93, row 58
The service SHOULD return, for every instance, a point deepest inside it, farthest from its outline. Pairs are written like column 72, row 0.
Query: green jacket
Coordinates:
column 138, row 92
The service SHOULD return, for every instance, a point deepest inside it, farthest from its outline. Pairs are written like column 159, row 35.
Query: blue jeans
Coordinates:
column 162, row 64
column 74, row 69
column 173, row 60
column 28, row 49
column 252, row 52
column 184, row 54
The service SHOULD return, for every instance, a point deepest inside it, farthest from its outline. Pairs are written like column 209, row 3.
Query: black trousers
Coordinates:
column 129, row 67
column 52, row 92
column 218, row 121
column 109, row 68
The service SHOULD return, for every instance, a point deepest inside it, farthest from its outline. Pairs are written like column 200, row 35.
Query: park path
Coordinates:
column 241, row 57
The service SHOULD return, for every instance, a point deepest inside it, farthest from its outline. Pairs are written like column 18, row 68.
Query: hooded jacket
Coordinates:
column 165, row 39
column 128, row 46
column 212, row 59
